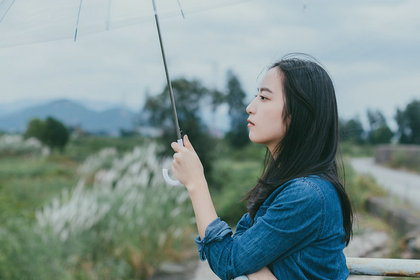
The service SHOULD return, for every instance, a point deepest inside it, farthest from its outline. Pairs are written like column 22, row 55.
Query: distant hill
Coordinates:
column 71, row 113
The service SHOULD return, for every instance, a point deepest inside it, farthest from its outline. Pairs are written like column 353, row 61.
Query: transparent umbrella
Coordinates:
column 27, row 22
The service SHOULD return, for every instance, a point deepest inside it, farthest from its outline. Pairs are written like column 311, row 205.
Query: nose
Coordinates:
column 250, row 109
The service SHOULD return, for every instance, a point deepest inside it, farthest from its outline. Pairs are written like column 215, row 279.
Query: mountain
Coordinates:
column 71, row 113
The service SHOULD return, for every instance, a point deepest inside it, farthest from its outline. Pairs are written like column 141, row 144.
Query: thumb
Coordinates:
column 188, row 144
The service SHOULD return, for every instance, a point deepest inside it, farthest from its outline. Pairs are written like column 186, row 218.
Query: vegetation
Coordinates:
column 111, row 217
column 408, row 121
column 100, row 210
column 378, row 132
column 50, row 132
column 235, row 95
column 191, row 95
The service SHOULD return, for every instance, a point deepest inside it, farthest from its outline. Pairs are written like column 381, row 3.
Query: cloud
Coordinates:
column 369, row 48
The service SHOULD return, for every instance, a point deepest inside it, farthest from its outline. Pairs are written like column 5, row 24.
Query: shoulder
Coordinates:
column 311, row 190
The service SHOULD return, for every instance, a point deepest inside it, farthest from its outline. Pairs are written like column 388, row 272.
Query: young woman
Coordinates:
column 299, row 216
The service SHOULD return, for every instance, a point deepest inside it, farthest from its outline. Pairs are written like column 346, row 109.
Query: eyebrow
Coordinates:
column 265, row 89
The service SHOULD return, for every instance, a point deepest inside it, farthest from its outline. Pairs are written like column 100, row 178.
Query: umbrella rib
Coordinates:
column 77, row 20
column 7, row 9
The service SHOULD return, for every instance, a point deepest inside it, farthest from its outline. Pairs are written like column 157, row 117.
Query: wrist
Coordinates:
column 197, row 186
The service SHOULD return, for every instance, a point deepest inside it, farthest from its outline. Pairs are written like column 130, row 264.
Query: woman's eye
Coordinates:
column 261, row 97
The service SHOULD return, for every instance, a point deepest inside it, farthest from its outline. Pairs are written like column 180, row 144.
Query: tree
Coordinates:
column 190, row 96
column 351, row 130
column 408, row 121
column 56, row 134
column 35, row 128
column 238, row 134
column 50, row 132
column 379, row 131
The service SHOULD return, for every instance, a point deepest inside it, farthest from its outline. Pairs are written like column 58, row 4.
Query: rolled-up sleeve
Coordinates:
column 291, row 221
column 244, row 223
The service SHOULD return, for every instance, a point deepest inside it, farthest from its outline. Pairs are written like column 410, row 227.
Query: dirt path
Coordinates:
column 403, row 184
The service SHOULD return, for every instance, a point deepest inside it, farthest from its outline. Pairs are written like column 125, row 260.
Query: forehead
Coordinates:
column 272, row 80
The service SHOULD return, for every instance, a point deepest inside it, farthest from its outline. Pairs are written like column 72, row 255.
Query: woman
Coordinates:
column 299, row 216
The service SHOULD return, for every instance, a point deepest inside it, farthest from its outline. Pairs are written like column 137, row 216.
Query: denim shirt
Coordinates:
column 297, row 233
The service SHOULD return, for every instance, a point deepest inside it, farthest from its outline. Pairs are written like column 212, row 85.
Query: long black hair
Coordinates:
column 310, row 143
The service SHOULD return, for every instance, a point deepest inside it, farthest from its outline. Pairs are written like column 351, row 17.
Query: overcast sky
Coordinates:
column 370, row 48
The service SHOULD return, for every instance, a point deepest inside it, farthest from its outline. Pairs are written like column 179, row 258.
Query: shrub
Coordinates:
column 126, row 222
column 12, row 145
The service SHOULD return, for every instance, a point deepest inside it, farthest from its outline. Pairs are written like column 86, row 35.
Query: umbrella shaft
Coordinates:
column 178, row 130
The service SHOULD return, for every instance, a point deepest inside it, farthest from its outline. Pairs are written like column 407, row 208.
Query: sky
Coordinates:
column 370, row 48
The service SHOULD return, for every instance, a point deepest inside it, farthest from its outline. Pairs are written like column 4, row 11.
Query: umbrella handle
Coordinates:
column 165, row 174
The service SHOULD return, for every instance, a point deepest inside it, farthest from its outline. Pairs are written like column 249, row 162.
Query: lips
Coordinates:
column 250, row 123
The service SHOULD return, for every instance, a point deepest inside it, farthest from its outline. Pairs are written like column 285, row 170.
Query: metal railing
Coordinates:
column 384, row 267
column 380, row 267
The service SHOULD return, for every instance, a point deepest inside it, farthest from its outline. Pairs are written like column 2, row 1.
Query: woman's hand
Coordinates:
column 186, row 165
column 263, row 274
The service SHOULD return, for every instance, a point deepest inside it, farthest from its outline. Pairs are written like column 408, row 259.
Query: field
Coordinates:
column 101, row 210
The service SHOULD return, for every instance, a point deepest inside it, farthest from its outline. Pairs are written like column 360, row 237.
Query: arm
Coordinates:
column 263, row 274
column 189, row 171
column 290, row 223
column 244, row 223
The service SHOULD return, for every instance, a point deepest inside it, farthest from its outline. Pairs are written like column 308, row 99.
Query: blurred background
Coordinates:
column 85, row 125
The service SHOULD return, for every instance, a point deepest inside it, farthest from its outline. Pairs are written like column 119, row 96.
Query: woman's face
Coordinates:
column 265, row 120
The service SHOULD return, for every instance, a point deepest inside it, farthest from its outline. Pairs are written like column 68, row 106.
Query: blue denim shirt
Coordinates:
column 297, row 232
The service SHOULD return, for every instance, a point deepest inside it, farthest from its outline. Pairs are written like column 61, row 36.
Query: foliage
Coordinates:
column 190, row 97
column 79, row 148
column 379, row 131
column 351, row 130
column 50, row 132
column 119, row 222
column 237, row 172
column 238, row 134
column 35, row 128
column 349, row 149
column 122, row 225
column 408, row 121
column 14, row 145
column 359, row 187
column 27, row 252
column 403, row 157
column 26, row 183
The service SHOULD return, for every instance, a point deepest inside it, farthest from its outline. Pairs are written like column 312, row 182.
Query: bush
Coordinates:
column 51, row 132
column 360, row 187
column 28, row 252
column 15, row 145
column 123, row 225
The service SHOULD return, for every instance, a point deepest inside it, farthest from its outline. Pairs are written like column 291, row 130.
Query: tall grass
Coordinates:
column 119, row 222
column 16, row 145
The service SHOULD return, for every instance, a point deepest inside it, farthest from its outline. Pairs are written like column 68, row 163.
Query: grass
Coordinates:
column 80, row 148
column 26, row 183
column 132, row 251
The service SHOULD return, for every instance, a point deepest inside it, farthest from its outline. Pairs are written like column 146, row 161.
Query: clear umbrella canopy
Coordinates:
column 27, row 21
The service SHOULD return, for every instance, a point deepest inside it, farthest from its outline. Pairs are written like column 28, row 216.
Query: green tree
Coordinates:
column 50, row 132
column 379, row 131
column 351, row 130
column 56, row 135
column 238, row 134
column 408, row 121
column 190, row 97
column 35, row 128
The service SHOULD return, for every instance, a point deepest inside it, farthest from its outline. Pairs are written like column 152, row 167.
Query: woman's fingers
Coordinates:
column 188, row 144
